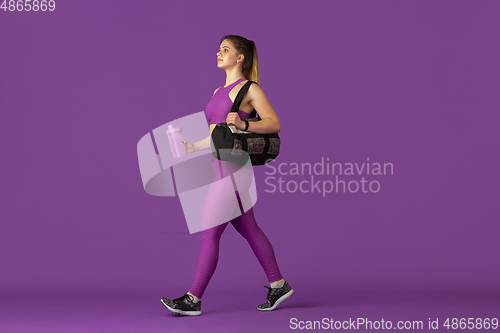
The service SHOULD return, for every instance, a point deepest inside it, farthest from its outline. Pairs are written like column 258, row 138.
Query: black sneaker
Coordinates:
column 183, row 305
column 275, row 296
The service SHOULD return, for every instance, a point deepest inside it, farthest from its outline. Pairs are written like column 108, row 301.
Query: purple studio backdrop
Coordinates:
column 409, row 86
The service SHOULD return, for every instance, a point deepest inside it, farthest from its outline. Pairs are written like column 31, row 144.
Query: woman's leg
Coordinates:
column 247, row 226
column 219, row 207
column 207, row 261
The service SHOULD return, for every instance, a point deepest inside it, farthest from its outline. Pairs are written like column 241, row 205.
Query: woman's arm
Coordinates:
column 204, row 143
column 199, row 145
column 269, row 122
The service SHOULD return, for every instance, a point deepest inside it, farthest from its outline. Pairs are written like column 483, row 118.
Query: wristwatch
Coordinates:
column 246, row 126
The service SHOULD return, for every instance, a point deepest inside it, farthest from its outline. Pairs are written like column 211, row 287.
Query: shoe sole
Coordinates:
column 278, row 301
column 185, row 313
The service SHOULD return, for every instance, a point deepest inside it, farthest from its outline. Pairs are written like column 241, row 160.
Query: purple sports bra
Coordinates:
column 220, row 104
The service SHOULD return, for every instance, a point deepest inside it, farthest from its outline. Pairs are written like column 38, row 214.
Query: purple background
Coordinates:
column 413, row 83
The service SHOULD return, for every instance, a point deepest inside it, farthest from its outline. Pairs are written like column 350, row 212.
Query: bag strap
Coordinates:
column 239, row 97
column 254, row 114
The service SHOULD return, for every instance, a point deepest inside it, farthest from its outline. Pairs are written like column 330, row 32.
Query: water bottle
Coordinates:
column 175, row 138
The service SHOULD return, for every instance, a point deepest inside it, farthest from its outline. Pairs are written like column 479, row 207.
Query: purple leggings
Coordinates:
column 245, row 224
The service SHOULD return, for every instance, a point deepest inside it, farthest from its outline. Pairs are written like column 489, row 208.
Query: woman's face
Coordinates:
column 227, row 55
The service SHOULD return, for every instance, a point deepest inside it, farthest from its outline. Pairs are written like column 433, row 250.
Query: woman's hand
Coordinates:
column 189, row 146
column 234, row 117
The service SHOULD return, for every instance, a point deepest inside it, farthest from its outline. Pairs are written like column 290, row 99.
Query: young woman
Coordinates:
column 238, row 57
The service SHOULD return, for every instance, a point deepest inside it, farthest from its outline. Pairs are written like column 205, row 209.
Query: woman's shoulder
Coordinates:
column 254, row 88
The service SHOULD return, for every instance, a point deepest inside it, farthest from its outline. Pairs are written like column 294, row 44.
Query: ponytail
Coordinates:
column 254, row 71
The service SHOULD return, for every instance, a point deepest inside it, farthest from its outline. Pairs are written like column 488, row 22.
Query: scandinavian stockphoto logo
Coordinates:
column 210, row 193
column 326, row 177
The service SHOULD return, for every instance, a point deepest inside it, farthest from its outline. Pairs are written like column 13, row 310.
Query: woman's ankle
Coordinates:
column 278, row 284
column 196, row 299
